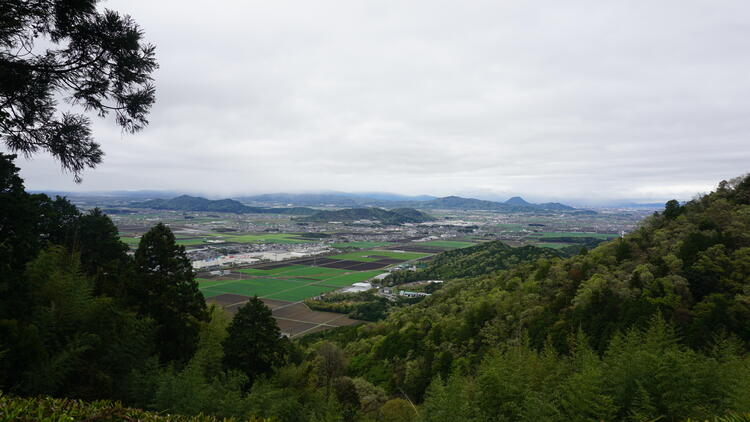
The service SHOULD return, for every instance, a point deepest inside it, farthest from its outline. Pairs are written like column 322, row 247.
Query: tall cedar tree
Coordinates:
column 167, row 292
column 103, row 255
column 254, row 345
column 96, row 60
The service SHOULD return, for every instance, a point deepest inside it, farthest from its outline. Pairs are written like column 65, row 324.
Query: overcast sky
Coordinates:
column 637, row 99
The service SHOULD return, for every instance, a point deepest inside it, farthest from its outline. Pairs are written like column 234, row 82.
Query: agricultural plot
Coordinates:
column 350, row 278
column 291, row 283
column 320, row 273
column 375, row 255
column 260, row 287
column 270, row 270
column 300, row 293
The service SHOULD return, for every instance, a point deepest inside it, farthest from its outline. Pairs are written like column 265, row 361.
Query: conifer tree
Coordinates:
column 254, row 345
column 166, row 291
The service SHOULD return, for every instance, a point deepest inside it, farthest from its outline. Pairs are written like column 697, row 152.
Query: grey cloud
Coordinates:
column 639, row 99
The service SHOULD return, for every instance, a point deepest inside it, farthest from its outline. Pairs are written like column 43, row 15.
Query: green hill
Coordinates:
column 654, row 325
column 394, row 216
column 481, row 259
column 194, row 203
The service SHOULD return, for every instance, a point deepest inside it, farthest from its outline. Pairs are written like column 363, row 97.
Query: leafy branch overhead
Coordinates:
column 95, row 60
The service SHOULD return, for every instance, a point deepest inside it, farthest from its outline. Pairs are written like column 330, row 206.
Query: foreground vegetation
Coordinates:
column 46, row 409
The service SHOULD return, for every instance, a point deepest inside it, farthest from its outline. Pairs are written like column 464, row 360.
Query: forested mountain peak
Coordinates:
column 517, row 200
column 394, row 216
column 195, row 203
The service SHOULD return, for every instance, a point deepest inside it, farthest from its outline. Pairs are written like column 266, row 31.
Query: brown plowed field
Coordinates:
column 294, row 319
column 294, row 328
column 343, row 264
column 300, row 311
column 367, row 266
column 273, row 303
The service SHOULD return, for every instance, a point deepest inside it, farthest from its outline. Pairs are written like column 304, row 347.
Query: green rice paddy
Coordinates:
column 375, row 255
column 348, row 279
column 291, row 283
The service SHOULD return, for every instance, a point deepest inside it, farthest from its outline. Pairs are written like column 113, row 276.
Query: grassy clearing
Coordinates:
column 448, row 244
column 360, row 245
column 374, row 255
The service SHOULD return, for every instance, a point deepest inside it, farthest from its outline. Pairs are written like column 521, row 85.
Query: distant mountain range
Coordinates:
column 298, row 204
column 194, row 203
column 333, row 199
column 515, row 204
column 394, row 216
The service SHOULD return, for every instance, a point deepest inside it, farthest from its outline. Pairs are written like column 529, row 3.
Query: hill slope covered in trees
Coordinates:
column 653, row 325
column 194, row 203
column 394, row 216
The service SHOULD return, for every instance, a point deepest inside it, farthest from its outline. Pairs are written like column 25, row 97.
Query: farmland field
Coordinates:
column 348, row 279
column 374, row 255
column 288, row 283
column 269, row 272
column 301, row 293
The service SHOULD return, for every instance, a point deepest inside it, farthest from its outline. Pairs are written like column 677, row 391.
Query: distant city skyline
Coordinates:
column 553, row 101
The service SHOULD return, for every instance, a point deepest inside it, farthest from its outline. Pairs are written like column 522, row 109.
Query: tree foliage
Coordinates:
column 166, row 291
column 96, row 59
column 254, row 345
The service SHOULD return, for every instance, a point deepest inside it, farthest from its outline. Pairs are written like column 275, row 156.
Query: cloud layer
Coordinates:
column 585, row 99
